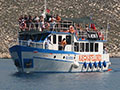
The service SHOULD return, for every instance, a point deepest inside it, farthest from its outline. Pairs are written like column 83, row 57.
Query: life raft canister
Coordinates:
column 104, row 64
column 95, row 64
column 75, row 64
column 85, row 65
column 90, row 65
column 100, row 64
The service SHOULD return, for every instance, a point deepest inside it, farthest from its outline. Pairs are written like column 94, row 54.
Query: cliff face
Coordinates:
column 102, row 11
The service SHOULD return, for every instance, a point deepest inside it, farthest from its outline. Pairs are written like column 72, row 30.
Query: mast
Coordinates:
column 45, row 7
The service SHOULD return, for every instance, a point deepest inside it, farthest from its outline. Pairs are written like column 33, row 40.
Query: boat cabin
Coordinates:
column 81, row 40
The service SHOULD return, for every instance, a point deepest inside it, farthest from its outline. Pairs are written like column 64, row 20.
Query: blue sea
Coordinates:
column 10, row 79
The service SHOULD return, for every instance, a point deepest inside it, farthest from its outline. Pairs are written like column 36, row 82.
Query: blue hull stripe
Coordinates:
column 32, row 49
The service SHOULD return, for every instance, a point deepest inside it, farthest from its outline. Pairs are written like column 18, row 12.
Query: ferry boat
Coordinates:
column 83, row 52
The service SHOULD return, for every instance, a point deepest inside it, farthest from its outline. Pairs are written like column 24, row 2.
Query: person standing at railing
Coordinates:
column 71, row 29
column 42, row 23
column 29, row 25
column 58, row 19
column 52, row 23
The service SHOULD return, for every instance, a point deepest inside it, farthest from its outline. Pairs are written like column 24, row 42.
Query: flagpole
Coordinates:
column 45, row 7
column 107, row 29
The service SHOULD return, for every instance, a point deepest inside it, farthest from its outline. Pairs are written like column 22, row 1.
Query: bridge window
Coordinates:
column 87, row 47
column 44, row 36
column 54, row 39
column 76, row 47
column 39, row 36
column 91, row 47
column 59, row 39
column 96, row 47
column 68, row 39
column 82, row 47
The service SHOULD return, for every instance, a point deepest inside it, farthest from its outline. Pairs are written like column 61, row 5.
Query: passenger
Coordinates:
column 29, row 25
column 71, row 29
column 23, row 26
column 25, row 17
column 21, row 19
column 104, row 49
column 42, row 23
column 87, row 27
column 63, row 43
column 58, row 19
column 52, row 23
column 37, row 22
column 47, row 43
column 29, row 42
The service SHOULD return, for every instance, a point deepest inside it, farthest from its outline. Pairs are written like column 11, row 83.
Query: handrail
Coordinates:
column 31, row 44
column 64, row 26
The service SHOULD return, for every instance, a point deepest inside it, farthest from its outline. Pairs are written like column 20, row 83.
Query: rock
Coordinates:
column 101, row 11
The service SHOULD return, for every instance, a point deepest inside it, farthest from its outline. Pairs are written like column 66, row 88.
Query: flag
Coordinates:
column 108, row 26
column 48, row 10
column 93, row 26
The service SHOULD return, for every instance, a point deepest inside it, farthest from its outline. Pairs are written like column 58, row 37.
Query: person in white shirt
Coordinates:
column 52, row 23
column 47, row 43
column 29, row 41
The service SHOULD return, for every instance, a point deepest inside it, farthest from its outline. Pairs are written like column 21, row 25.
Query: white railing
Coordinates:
column 64, row 26
column 30, row 44
column 57, row 26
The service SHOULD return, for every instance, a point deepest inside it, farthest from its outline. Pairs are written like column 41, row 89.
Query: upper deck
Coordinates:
column 82, row 29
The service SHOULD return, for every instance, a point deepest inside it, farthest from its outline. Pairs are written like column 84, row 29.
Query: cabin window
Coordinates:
column 33, row 37
column 44, row 36
column 39, row 36
column 91, row 47
column 76, row 47
column 96, row 47
column 54, row 39
column 81, row 47
column 59, row 39
column 87, row 47
column 68, row 39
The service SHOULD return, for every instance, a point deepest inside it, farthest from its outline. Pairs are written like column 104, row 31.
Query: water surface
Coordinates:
column 10, row 79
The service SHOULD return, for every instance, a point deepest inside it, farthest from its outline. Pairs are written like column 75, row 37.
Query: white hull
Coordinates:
column 43, row 62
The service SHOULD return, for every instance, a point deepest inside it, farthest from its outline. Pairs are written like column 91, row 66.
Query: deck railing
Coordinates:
column 64, row 26
column 31, row 44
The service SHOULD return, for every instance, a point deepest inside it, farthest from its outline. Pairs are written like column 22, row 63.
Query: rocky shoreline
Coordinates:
column 102, row 11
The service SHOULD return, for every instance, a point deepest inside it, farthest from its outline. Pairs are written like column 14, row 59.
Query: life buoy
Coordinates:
column 47, row 25
column 85, row 57
column 23, row 25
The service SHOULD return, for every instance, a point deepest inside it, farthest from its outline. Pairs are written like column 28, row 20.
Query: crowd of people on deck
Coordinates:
column 38, row 22
column 41, row 23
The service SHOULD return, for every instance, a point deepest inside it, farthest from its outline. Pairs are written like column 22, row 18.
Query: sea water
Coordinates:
column 10, row 79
